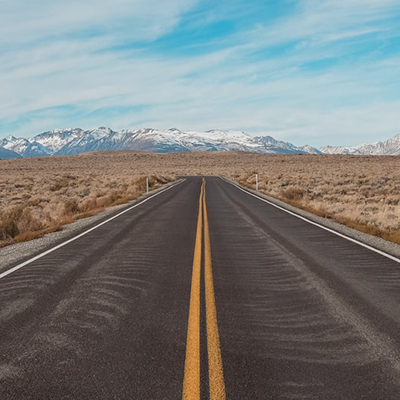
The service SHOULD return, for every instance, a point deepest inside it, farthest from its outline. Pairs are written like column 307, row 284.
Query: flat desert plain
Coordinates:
column 38, row 195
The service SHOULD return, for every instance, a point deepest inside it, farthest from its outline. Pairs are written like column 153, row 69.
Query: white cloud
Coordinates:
column 322, row 21
column 25, row 22
column 44, row 65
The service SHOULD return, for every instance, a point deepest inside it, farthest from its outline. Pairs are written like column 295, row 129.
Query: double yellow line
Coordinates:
column 191, row 382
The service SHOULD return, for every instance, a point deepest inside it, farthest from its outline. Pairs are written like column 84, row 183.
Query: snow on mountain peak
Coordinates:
column 76, row 141
column 11, row 138
column 388, row 147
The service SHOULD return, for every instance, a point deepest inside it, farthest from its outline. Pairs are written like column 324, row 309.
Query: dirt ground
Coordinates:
column 38, row 195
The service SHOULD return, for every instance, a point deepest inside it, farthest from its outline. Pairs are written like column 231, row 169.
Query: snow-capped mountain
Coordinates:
column 76, row 141
column 273, row 146
column 57, row 139
column 309, row 149
column 85, row 141
column 390, row 147
column 25, row 147
column 175, row 140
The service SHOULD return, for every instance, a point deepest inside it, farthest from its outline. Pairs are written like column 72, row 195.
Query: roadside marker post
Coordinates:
column 257, row 182
column 147, row 184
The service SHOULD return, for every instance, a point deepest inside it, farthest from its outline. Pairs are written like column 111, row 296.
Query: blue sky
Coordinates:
column 312, row 72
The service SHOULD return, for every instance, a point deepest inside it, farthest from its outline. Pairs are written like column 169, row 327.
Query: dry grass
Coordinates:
column 360, row 192
column 41, row 194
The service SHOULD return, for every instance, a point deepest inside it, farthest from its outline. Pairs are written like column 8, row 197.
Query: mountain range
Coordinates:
column 77, row 141
column 390, row 147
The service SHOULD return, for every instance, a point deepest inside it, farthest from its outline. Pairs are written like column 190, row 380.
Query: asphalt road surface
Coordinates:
column 202, row 292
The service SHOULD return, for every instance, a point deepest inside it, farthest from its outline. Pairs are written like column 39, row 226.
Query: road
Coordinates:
column 202, row 292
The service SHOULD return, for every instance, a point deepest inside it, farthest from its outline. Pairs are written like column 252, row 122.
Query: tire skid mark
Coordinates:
column 95, row 298
column 43, row 284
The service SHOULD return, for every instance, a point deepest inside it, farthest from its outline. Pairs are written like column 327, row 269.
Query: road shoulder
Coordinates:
column 370, row 240
column 15, row 253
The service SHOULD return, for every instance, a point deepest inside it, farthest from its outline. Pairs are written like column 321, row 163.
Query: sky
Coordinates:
column 317, row 72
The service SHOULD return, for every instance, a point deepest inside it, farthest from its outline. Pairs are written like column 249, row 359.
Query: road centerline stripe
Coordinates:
column 191, row 381
column 216, row 376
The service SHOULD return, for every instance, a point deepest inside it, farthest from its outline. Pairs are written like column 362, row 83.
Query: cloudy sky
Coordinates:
column 306, row 71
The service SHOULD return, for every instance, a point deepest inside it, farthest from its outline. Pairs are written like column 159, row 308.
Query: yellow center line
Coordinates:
column 215, row 371
column 191, row 382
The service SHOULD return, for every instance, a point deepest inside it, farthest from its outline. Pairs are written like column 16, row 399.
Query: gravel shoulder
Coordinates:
column 370, row 240
column 19, row 252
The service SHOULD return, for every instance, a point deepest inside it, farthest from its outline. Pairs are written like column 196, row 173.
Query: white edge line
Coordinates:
column 19, row 266
column 382, row 253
